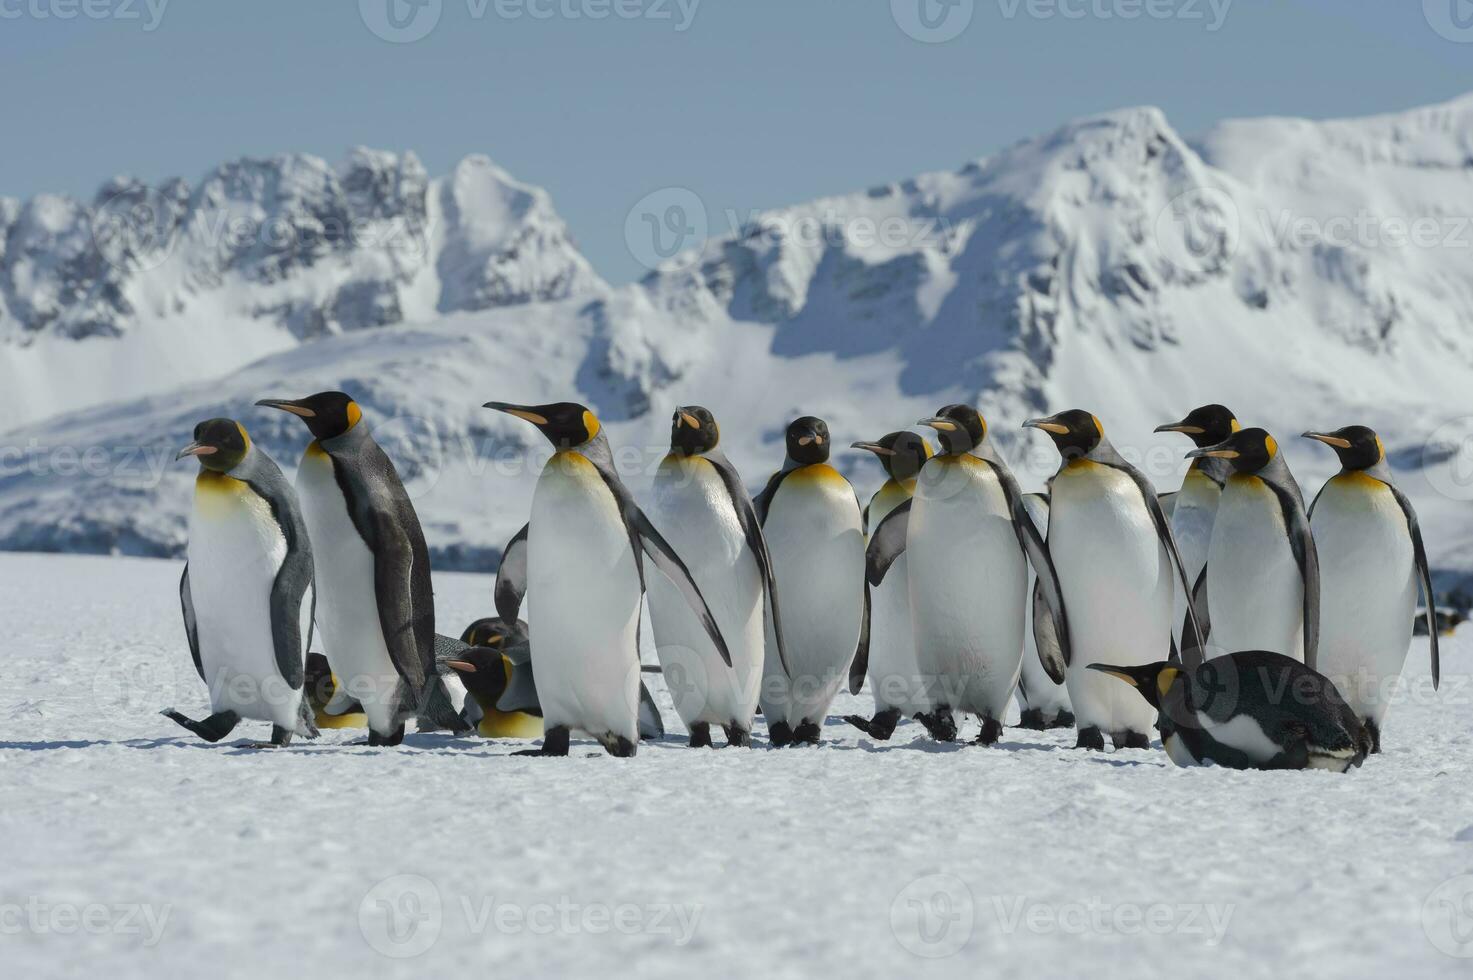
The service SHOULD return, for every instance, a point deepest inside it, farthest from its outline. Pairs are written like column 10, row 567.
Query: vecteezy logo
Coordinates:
column 1198, row 230
column 1452, row 19
column 664, row 229
column 1447, row 459
column 1447, row 916
column 933, row 21
column 401, row 916
column 400, row 21
column 933, row 916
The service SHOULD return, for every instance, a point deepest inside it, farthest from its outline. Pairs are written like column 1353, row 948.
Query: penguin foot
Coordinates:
column 737, row 736
column 880, row 727
column 1375, row 732
column 212, row 729
column 280, row 737
column 621, row 748
column 1033, row 719
column 1134, row 740
column 388, row 741
column 700, row 735
column 991, row 732
column 1091, row 738
column 779, row 734
column 940, row 724
column 554, row 743
column 807, row 733
column 1064, row 719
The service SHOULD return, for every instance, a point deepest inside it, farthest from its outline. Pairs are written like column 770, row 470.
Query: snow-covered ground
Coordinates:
column 131, row 849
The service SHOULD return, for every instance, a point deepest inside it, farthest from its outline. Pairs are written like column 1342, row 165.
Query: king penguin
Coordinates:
column 1042, row 701
column 705, row 512
column 810, row 516
column 1119, row 568
column 894, row 678
column 969, row 541
column 1372, row 561
column 1261, row 588
column 246, row 591
column 582, row 566
column 1253, row 709
column 375, row 606
column 1195, row 505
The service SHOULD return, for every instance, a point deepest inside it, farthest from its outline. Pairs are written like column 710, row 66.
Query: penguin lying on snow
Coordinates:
column 583, row 562
column 246, row 591
column 496, row 668
column 1372, row 561
column 321, row 687
column 1250, row 710
column 375, row 604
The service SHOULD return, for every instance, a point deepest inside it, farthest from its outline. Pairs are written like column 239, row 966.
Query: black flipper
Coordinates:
column 887, row 543
column 212, row 729
column 669, row 563
column 1045, row 638
column 1301, row 542
column 511, row 577
column 860, row 665
column 293, row 584
column 401, row 609
column 1199, row 601
column 751, row 525
column 1424, row 577
column 651, row 725
column 764, row 499
column 191, row 626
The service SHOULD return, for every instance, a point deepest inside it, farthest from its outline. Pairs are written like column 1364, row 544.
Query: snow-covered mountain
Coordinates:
column 1307, row 274
column 147, row 288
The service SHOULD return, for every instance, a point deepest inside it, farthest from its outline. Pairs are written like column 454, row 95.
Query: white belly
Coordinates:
column 1118, row 584
column 968, row 577
column 815, row 539
column 583, row 603
column 235, row 550
column 1368, row 591
column 1191, row 526
column 1255, row 593
column 693, row 510
column 347, row 603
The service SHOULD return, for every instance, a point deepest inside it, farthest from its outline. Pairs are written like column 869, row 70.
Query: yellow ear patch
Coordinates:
column 1165, row 679
column 982, row 422
column 1380, row 449
column 926, row 449
column 591, row 423
column 246, row 436
column 355, row 414
column 1098, row 427
column 1270, row 446
column 1235, row 425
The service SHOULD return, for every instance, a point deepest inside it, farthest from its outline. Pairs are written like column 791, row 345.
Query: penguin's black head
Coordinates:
column 1075, row 432
column 219, row 445
column 1248, row 450
column 1358, row 447
column 1205, row 426
column 483, row 672
column 808, row 441
column 327, row 413
column 901, row 453
column 1153, row 681
column 567, row 425
column 961, row 428
column 493, row 632
column 693, row 431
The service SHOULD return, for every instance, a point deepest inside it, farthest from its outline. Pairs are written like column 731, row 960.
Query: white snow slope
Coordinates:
column 853, row 859
column 1110, row 265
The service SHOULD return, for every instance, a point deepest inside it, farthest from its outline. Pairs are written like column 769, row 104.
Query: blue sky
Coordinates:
column 750, row 103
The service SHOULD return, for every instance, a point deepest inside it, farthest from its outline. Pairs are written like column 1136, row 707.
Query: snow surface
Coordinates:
column 786, row 863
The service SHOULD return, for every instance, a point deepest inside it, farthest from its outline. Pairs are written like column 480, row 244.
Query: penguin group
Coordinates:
column 1232, row 622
